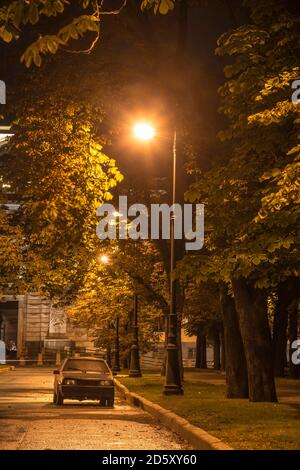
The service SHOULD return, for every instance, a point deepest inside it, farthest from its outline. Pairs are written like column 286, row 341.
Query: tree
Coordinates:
column 12, row 257
column 251, row 249
column 107, row 291
column 202, row 317
column 19, row 13
column 65, row 176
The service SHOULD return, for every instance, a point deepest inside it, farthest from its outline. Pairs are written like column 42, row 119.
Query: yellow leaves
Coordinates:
column 44, row 44
column 5, row 34
column 95, row 148
column 273, row 115
column 161, row 6
column 78, row 27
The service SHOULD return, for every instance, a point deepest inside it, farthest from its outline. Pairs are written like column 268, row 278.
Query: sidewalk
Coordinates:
column 288, row 390
column 5, row 368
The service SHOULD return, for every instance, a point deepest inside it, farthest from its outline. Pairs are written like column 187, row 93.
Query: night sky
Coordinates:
column 139, row 85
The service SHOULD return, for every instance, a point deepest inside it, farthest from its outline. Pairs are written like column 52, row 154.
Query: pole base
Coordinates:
column 172, row 390
column 134, row 373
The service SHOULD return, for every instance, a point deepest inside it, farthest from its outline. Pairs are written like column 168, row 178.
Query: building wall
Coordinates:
column 34, row 314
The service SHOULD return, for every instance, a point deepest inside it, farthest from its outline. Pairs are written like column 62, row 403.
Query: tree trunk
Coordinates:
column 164, row 361
column 198, row 350
column 203, row 358
column 235, row 366
column 223, row 353
column 251, row 307
column 280, row 327
column 201, row 362
column 217, row 348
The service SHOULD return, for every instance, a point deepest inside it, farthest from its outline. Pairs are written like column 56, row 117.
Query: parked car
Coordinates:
column 84, row 378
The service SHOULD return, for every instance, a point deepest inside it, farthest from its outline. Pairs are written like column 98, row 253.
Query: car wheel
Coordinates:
column 54, row 398
column 102, row 402
column 59, row 399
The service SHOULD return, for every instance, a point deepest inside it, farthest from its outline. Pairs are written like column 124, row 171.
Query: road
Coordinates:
column 29, row 420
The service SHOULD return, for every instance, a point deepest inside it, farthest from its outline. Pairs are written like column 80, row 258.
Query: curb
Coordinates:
column 6, row 368
column 197, row 437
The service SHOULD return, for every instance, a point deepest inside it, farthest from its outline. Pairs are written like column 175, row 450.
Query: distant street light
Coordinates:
column 104, row 259
column 116, row 356
column 145, row 131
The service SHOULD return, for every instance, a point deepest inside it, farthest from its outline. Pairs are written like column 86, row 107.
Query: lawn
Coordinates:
column 239, row 423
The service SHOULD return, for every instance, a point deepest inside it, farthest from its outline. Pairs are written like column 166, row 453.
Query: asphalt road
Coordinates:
column 29, row 420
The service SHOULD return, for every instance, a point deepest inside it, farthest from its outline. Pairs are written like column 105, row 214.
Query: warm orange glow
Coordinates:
column 144, row 131
column 104, row 259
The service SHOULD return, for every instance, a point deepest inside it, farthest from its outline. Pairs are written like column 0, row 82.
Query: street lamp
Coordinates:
column 116, row 351
column 116, row 356
column 104, row 259
column 145, row 131
column 135, row 370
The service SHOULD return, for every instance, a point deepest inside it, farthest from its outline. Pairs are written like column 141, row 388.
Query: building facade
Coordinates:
column 29, row 325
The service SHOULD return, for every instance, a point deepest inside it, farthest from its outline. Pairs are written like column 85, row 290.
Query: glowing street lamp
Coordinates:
column 145, row 131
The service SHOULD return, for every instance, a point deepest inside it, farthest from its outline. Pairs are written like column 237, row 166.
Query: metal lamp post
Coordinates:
column 116, row 356
column 135, row 370
column 173, row 384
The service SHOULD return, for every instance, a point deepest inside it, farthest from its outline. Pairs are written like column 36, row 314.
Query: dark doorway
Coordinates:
column 9, row 327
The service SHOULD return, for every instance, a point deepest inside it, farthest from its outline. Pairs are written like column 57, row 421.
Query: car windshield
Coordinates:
column 85, row 365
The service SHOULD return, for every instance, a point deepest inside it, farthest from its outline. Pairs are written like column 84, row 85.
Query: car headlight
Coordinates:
column 69, row 382
column 106, row 382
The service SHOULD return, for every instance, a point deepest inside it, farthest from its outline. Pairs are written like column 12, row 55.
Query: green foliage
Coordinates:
column 65, row 176
column 51, row 43
column 161, row 6
column 16, row 14
column 252, row 197
column 11, row 255
column 107, row 291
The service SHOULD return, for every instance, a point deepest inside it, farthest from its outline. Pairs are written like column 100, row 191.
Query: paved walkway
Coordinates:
column 29, row 420
column 288, row 390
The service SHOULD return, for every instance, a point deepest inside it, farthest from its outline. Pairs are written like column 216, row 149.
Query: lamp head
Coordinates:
column 144, row 131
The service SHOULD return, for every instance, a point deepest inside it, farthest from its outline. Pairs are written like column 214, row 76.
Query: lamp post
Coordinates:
column 104, row 259
column 173, row 386
column 173, row 378
column 135, row 370
column 116, row 356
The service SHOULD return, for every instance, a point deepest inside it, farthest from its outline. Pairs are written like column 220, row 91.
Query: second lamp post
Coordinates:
column 135, row 370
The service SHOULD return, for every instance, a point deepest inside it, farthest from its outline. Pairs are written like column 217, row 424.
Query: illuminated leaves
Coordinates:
column 51, row 43
column 252, row 199
column 65, row 176
column 159, row 6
